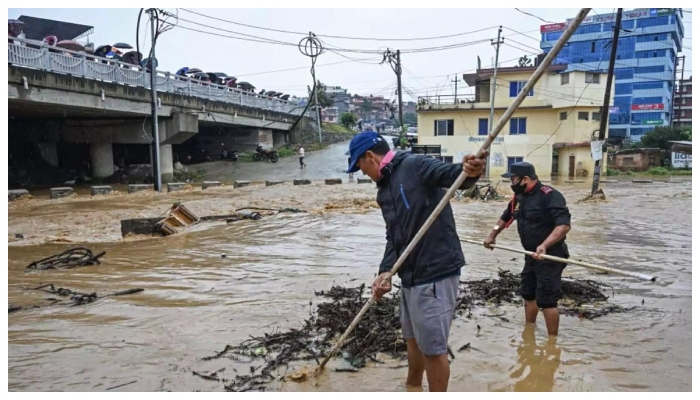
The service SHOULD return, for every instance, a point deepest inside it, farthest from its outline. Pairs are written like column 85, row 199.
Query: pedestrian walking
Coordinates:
column 301, row 158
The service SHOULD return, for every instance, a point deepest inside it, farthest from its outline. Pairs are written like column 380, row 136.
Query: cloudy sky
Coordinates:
column 245, row 51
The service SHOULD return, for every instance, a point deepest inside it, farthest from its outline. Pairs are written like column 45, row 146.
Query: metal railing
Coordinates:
column 38, row 55
column 444, row 99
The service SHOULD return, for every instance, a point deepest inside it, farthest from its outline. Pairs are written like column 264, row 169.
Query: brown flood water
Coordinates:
column 196, row 302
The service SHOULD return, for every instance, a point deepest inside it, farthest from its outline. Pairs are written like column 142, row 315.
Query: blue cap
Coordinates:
column 359, row 145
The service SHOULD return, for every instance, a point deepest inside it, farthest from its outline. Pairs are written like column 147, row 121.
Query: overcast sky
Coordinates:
column 423, row 72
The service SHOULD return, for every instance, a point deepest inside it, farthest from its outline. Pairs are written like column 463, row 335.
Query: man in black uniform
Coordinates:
column 543, row 222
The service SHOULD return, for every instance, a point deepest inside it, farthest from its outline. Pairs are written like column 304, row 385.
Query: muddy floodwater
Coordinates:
column 196, row 301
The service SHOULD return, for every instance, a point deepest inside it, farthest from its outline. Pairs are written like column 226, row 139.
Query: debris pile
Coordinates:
column 379, row 331
column 73, row 298
column 76, row 257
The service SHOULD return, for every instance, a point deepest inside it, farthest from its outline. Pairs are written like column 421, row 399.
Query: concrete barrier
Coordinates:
column 139, row 188
column 273, row 183
column 58, row 192
column 336, row 181
column 642, row 181
column 176, row 186
column 16, row 194
column 364, row 180
column 100, row 190
column 575, row 181
column 608, row 181
column 208, row 184
column 298, row 182
column 237, row 184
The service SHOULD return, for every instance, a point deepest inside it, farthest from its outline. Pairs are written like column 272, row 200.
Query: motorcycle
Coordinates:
column 262, row 154
column 226, row 155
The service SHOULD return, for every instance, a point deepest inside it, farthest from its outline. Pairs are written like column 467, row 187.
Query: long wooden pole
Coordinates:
column 570, row 261
column 480, row 154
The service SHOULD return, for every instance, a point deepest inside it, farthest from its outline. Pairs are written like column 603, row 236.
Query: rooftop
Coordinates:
column 483, row 74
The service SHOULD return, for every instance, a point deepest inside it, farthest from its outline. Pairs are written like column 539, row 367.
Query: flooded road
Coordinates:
column 196, row 301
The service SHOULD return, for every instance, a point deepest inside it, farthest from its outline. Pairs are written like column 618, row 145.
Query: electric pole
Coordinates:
column 154, row 103
column 394, row 59
column 497, row 43
column 311, row 47
column 455, row 82
column 606, row 99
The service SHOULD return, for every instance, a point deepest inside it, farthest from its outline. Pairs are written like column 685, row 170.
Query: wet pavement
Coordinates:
column 196, row 301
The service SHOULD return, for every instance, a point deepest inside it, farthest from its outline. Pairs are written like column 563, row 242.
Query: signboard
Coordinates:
column 483, row 139
column 659, row 12
column 648, row 107
column 632, row 14
column 652, row 122
column 553, row 27
column 614, row 110
column 681, row 160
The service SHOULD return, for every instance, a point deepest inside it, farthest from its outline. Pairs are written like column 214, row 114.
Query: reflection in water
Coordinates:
column 538, row 363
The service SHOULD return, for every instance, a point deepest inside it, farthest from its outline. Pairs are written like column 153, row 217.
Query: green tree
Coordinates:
column 410, row 118
column 324, row 99
column 662, row 135
column 348, row 119
column 524, row 61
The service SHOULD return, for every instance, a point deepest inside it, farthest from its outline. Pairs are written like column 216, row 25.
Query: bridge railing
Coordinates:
column 38, row 55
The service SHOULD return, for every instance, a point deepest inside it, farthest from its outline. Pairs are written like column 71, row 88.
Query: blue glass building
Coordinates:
column 647, row 52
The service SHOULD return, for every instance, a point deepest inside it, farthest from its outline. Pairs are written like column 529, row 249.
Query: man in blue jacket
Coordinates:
column 409, row 188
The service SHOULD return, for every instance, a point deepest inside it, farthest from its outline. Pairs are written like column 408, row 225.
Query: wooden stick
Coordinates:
column 480, row 154
column 570, row 261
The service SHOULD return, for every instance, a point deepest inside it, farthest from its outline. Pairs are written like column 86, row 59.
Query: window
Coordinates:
column 513, row 160
column 565, row 78
column 483, row 126
column 592, row 47
column 517, row 87
column 644, row 85
column 595, row 116
column 624, row 73
column 617, row 132
column 623, row 88
column 445, row 127
column 588, row 28
column 649, row 70
column 553, row 36
column 592, row 77
column 647, row 22
column 563, row 116
column 518, row 126
column 647, row 100
column 447, row 159
column 583, row 115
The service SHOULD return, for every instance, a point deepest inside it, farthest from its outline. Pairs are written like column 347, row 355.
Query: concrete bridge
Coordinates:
column 65, row 97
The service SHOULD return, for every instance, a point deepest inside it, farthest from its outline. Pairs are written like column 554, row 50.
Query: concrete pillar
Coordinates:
column 49, row 153
column 166, row 163
column 102, row 160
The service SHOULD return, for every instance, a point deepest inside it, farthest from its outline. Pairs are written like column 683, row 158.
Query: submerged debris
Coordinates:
column 597, row 196
column 379, row 331
column 72, row 258
column 74, row 298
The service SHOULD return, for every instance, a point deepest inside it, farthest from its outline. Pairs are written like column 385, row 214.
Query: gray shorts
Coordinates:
column 426, row 314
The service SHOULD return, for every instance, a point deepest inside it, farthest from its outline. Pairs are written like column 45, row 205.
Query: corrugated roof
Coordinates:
column 683, row 142
column 39, row 28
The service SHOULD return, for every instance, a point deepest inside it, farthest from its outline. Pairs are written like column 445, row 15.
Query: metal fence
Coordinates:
column 38, row 55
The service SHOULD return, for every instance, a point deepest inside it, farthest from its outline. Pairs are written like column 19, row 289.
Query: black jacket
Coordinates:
column 538, row 212
column 410, row 189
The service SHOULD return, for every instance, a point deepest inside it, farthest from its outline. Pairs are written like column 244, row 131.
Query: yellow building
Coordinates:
column 551, row 129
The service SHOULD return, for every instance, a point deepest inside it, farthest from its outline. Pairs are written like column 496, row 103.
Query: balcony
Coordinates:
column 450, row 102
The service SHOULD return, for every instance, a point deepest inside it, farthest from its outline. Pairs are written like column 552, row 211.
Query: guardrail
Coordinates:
column 38, row 55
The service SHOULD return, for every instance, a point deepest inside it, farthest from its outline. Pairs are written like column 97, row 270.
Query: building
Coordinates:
column 372, row 109
column 683, row 103
column 551, row 129
column 330, row 114
column 647, row 54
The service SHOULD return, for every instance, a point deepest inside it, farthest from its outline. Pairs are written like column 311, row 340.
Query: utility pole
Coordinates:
column 154, row 104
column 497, row 43
column 311, row 47
column 394, row 59
column 318, row 108
column 456, row 81
column 606, row 98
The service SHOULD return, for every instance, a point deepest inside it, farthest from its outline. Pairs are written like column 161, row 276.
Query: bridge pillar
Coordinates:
column 102, row 160
column 49, row 153
column 166, row 163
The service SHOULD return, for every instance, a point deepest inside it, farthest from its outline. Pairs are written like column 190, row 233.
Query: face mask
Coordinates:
column 517, row 187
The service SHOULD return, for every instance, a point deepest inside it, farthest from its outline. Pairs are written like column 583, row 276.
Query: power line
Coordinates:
column 336, row 36
column 535, row 16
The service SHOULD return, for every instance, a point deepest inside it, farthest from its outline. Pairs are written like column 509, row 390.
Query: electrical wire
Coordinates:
column 534, row 16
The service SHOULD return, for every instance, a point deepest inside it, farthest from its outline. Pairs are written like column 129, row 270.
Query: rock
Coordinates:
column 178, row 166
column 237, row 184
column 59, row 192
column 15, row 194
column 139, row 188
column 273, row 183
column 208, row 184
column 337, row 181
column 175, row 187
column 19, row 236
column 100, row 190
column 364, row 180
column 301, row 182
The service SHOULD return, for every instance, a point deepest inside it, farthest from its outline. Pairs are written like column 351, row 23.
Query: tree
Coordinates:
column 324, row 99
column 348, row 119
column 662, row 135
column 524, row 61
